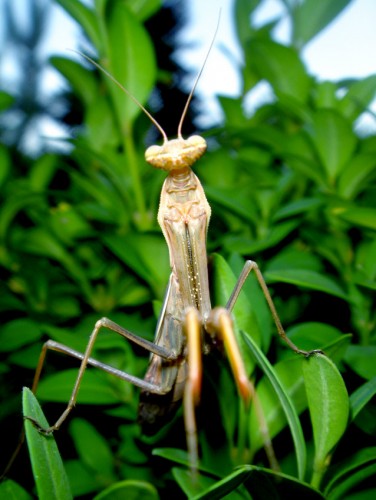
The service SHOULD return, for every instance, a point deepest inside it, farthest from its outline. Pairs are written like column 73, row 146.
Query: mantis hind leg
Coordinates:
column 87, row 360
column 250, row 266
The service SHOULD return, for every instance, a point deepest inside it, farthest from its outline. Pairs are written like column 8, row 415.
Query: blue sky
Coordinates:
column 345, row 49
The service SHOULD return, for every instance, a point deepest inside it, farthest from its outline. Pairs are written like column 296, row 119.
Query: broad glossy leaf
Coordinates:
column 243, row 11
column 233, row 201
column 366, row 472
column 18, row 333
column 227, row 487
column 10, row 490
column 326, row 95
column 245, row 246
column 85, row 17
column 281, row 67
column 39, row 241
column 328, row 404
column 356, row 175
column 362, row 216
column 81, row 80
column 6, row 100
column 146, row 255
column 42, row 172
column 358, row 97
column 310, row 17
column 50, row 477
column 361, row 396
column 315, row 335
column 19, row 200
column 296, row 207
column 129, row 490
column 334, row 140
column 81, row 478
column 261, row 483
column 5, row 164
column 131, row 60
column 361, row 359
column 101, row 131
column 93, row 449
column 191, row 486
column 143, row 10
column 94, row 389
column 264, row 483
column 307, row 279
column 344, row 470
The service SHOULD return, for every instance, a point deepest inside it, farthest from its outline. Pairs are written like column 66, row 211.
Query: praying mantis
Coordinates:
column 187, row 326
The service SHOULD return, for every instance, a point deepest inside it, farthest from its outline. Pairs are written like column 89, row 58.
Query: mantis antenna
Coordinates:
column 136, row 101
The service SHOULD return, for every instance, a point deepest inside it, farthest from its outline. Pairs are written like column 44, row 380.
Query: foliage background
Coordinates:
column 292, row 187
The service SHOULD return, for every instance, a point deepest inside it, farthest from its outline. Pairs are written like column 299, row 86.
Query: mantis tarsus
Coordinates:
column 187, row 324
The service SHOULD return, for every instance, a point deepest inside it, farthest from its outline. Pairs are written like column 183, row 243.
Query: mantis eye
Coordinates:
column 196, row 140
column 151, row 153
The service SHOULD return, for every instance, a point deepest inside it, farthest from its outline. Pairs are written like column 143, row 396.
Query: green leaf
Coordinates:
column 344, row 474
column 129, row 490
column 191, row 486
column 94, row 389
column 144, row 10
column 49, row 474
column 82, row 81
column 81, row 478
column 307, row 279
column 92, row 448
column 10, row 490
column 363, row 474
column 334, row 140
column 18, row 333
column 6, row 100
column 131, row 60
column 361, row 396
column 85, row 18
column 288, row 407
column 296, row 207
column 356, row 175
column 276, row 234
column 289, row 374
column 280, row 66
column 361, row 359
column 135, row 251
column 5, row 165
column 358, row 97
column 225, row 486
column 261, row 483
column 39, row 241
column 328, row 404
column 362, row 216
column 310, row 17
column 42, row 172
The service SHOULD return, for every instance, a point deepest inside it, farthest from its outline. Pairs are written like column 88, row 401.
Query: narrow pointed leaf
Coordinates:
column 328, row 404
column 288, row 407
column 49, row 473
